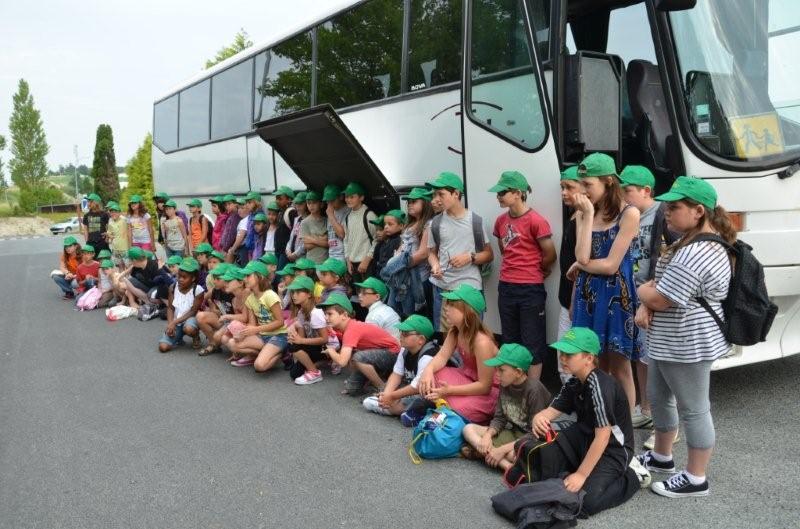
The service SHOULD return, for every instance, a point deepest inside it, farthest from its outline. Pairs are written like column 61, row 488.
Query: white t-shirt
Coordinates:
column 242, row 226
column 400, row 367
column 315, row 322
column 269, row 245
column 182, row 303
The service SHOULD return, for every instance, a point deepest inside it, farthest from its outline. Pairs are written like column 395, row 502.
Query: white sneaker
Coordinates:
column 309, row 377
column 371, row 404
column 650, row 444
column 642, row 473
column 641, row 420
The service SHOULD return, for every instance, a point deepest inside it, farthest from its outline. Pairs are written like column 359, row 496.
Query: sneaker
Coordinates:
column 335, row 368
column 640, row 419
column 679, row 486
column 648, row 462
column 641, row 472
column 244, row 362
column 650, row 443
column 371, row 404
column 68, row 295
column 309, row 377
column 411, row 417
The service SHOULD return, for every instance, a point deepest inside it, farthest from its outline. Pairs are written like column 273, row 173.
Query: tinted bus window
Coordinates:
column 283, row 78
column 434, row 54
column 359, row 54
column 193, row 117
column 231, row 100
column 165, row 124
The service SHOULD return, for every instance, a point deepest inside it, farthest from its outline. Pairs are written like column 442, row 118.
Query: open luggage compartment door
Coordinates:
column 321, row 150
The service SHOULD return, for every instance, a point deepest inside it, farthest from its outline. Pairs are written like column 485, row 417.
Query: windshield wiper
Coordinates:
column 790, row 171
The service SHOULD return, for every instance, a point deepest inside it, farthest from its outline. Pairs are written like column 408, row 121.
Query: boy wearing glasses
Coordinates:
column 524, row 238
column 371, row 293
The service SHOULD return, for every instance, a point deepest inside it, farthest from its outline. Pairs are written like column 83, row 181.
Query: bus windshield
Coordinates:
column 740, row 76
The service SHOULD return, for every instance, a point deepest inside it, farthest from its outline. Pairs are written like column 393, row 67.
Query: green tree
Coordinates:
column 29, row 147
column 104, row 168
column 3, row 183
column 140, row 175
column 240, row 42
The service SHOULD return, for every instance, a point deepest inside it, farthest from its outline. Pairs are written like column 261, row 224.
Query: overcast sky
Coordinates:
column 91, row 61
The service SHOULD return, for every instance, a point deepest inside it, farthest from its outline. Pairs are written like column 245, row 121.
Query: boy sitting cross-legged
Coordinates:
column 372, row 350
column 521, row 397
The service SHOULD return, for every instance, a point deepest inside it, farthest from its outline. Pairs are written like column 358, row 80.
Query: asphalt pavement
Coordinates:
column 97, row 429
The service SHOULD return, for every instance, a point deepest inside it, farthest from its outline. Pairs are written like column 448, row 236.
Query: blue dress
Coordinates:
column 607, row 304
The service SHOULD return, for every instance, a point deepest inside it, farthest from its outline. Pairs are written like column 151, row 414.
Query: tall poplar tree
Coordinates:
column 28, row 167
column 104, row 168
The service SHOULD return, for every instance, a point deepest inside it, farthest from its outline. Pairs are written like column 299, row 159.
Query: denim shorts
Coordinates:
column 177, row 340
column 281, row 341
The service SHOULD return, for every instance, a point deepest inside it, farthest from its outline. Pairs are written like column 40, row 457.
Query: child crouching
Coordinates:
column 185, row 298
column 308, row 334
column 521, row 398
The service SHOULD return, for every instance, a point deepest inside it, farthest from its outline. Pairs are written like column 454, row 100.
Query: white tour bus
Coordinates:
column 392, row 92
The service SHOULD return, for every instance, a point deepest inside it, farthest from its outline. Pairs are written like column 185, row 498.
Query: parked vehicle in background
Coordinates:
column 68, row 226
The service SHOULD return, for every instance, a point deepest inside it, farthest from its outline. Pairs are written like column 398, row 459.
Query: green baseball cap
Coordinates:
column 228, row 198
column 375, row 284
column 637, row 175
column 234, row 273
column 113, row 206
column 136, row 253
column 578, row 340
column 285, row 191
column 189, row 264
column 399, row 214
column 313, row 196
column 512, row 354
column 447, row 179
column 273, row 206
column 570, row 173
column 195, row 203
column 94, row 197
column 104, row 254
column 259, row 217
column 305, row 264
column 417, row 323
column 219, row 255
column 510, row 180
column 219, row 199
column 331, row 192
column 419, row 192
column 107, row 263
column 135, row 199
column 170, row 204
column 287, row 270
column 161, row 197
column 253, row 195
column 88, row 248
column 300, row 197
column 377, row 221
column 335, row 266
column 204, row 247
column 692, row 188
column 469, row 295
column 240, row 201
column 69, row 241
column 256, row 267
column 220, row 270
column 354, row 188
column 337, row 298
column 174, row 260
column 269, row 258
column 597, row 164
column 149, row 255
column 302, row 283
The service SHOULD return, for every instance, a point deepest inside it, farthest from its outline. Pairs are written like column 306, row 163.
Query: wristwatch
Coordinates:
column 472, row 257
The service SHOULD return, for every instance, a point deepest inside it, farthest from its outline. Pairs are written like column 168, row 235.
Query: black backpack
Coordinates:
column 749, row 312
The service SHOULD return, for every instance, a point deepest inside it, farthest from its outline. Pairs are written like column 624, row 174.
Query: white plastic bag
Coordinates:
column 120, row 312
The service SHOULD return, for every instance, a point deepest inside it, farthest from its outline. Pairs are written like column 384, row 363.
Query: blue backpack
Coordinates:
column 437, row 436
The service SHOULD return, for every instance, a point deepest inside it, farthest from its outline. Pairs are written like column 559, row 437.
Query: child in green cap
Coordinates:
column 571, row 187
column 88, row 271
column 140, row 225
column 521, row 398
column 336, row 211
column 394, row 221
column 414, row 245
column 117, row 235
column 359, row 233
column 176, row 240
column 260, row 227
column 331, row 275
column 199, row 225
column 273, row 217
column 183, row 304
column 308, row 334
column 594, row 452
column 68, row 261
column 314, row 232
column 95, row 224
column 218, row 303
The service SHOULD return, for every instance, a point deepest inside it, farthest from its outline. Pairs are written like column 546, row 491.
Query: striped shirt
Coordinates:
column 686, row 332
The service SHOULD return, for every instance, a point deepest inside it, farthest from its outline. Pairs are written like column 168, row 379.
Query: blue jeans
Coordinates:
column 177, row 339
column 67, row 286
column 522, row 316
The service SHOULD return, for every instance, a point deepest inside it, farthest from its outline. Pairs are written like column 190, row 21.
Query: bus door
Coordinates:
column 319, row 148
column 506, row 125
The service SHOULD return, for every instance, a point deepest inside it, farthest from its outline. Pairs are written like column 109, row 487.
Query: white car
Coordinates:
column 68, row 226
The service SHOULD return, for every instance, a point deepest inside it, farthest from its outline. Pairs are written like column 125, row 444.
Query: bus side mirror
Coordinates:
column 592, row 115
column 674, row 5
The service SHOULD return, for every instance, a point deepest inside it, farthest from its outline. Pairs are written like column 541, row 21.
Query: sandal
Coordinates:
column 207, row 350
column 196, row 343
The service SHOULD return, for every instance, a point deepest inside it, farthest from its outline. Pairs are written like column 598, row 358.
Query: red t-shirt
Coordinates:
column 522, row 255
column 360, row 336
column 92, row 268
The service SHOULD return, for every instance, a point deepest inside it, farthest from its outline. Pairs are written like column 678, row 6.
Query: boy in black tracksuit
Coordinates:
column 594, row 453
